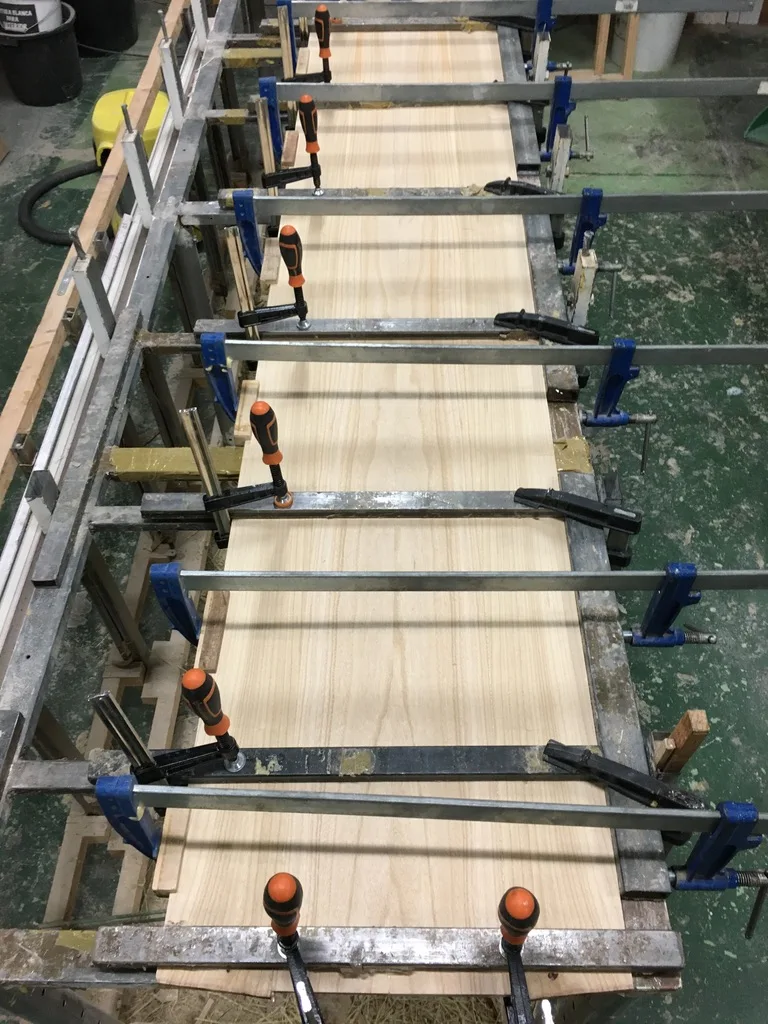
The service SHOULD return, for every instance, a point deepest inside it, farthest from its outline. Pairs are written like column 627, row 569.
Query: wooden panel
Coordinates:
column 407, row 668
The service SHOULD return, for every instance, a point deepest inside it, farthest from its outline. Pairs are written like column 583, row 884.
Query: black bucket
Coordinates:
column 43, row 68
column 105, row 26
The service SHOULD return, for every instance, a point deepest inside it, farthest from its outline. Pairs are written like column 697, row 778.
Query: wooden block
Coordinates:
column 290, row 148
column 135, row 465
column 270, row 269
column 81, row 831
column 686, row 738
column 661, row 750
column 249, row 392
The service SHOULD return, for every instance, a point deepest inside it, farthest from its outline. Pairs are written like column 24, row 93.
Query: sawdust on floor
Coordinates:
column 191, row 1006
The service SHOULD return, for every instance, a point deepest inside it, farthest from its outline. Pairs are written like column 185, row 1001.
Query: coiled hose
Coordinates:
column 41, row 188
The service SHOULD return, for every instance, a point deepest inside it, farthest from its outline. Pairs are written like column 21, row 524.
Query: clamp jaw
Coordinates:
column 672, row 595
column 620, row 523
column 550, row 328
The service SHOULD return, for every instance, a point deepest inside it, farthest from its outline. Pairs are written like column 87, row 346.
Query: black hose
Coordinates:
column 41, row 188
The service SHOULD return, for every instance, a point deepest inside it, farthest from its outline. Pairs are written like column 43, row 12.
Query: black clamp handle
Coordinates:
column 551, row 328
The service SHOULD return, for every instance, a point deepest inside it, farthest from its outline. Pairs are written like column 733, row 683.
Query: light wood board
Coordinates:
column 350, row 669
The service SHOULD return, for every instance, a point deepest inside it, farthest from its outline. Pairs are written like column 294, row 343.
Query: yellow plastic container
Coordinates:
column 107, row 121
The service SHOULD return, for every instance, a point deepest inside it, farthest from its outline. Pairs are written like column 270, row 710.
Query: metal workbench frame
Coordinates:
column 69, row 551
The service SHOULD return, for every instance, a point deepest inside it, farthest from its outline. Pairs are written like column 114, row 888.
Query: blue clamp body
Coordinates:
column 618, row 372
column 214, row 353
column 672, row 595
column 245, row 215
column 174, row 600
column 588, row 222
column 268, row 91
column 545, row 21
column 289, row 5
column 706, row 868
column 118, row 803
column 560, row 110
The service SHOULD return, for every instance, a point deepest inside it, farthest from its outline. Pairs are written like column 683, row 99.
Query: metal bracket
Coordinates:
column 174, row 600
column 93, row 296
column 135, row 824
column 245, row 216
column 715, row 849
column 172, row 79
column 218, row 373
column 138, row 171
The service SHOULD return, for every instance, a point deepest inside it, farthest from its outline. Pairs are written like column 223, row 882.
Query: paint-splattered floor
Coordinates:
column 685, row 279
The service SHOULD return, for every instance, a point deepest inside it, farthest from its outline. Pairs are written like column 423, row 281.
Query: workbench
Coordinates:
column 497, row 639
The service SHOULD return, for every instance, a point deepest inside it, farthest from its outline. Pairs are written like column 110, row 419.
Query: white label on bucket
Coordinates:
column 18, row 19
column 626, row 6
column 762, row 89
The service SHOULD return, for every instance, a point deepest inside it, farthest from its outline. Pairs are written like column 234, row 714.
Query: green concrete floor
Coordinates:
column 695, row 278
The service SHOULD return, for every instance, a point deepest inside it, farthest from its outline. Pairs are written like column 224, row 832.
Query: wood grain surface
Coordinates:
column 350, row 669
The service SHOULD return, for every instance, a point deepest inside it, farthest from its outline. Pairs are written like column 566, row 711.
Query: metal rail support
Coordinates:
column 161, row 402
column 200, row 18
column 240, row 155
column 138, row 170
column 211, row 243
column 172, row 78
column 107, row 598
column 93, row 296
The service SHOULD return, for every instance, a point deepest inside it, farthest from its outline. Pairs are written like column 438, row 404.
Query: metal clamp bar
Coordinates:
column 474, row 93
column 269, row 801
column 479, row 9
column 426, row 582
column 507, row 354
column 466, row 949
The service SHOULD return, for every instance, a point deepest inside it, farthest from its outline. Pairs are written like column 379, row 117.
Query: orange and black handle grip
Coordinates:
column 308, row 118
column 518, row 913
column 291, row 251
column 323, row 30
column 282, row 902
column 202, row 694
column 264, row 429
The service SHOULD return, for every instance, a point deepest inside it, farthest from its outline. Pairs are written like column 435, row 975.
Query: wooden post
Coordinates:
column 630, row 47
column 673, row 753
column 601, row 43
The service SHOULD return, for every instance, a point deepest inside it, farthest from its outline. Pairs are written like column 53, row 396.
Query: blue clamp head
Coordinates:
column 165, row 578
column 672, row 595
column 545, row 20
column 268, row 91
column 137, row 826
column 715, row 849
column 589, row 221
column 561, row 108
column 214, row 353
column 245, row 216
column 618, row 372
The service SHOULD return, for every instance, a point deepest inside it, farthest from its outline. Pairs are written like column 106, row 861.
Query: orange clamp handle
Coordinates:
column 308, row 118
column 291, row 251
column 264, row 428
column 202, row 694
column 283, row 896
column 518, row 913
column 323, row 29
